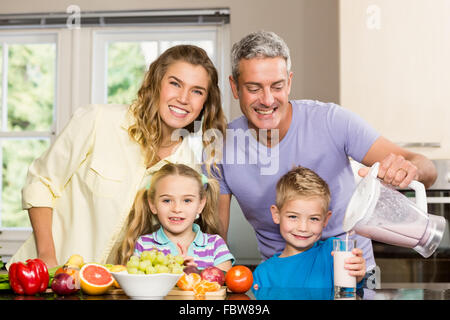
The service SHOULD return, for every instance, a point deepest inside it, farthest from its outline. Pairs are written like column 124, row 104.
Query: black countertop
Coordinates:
column 429, row 291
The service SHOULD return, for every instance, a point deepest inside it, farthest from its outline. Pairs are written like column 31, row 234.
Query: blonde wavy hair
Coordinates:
column 142, row 221
column 147, row 130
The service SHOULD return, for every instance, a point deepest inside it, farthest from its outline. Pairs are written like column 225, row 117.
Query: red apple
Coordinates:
column 213, row 274
column 64, row 284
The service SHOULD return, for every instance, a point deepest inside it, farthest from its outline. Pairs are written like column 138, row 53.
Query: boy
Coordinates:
column 301, row 211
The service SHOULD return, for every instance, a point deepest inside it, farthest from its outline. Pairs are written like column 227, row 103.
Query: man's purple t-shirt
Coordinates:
column 321, row 137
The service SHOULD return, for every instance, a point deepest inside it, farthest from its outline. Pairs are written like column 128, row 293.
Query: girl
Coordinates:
column 80, row 191
column 172, row 214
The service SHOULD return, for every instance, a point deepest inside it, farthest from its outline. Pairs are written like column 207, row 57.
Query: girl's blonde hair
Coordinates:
column 147, row 130
column 142, row 221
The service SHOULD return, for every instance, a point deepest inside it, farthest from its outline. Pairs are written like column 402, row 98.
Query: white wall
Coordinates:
column 395, row 69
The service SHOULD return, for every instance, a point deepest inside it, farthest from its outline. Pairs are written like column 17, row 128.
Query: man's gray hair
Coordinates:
column 259, row 44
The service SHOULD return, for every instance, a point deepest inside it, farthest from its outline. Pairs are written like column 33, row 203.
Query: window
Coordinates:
column 28, row 77
column 121, row 58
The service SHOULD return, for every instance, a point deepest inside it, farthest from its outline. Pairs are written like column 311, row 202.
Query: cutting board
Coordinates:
column 178, row 294
column 219, row 294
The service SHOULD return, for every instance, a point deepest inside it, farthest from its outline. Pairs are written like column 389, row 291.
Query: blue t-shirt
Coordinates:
column 312, row 268
column 321, row 137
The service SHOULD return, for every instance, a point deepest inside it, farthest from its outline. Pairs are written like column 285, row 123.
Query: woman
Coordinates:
column 80, row 191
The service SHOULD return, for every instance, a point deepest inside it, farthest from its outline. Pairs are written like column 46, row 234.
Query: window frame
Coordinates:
column 11, row 238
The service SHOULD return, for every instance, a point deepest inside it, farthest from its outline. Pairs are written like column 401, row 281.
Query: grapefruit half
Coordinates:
column 95, row 279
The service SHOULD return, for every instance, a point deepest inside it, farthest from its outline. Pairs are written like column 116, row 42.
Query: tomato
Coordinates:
column 239, row 279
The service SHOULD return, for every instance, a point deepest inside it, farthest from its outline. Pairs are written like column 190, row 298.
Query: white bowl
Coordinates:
column 146, row 286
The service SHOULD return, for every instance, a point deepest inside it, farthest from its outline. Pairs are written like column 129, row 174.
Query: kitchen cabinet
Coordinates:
column 395, row 69
column 10, row 242
column 241, row 238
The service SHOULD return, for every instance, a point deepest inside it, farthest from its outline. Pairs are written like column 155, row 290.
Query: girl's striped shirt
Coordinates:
column 206, row 249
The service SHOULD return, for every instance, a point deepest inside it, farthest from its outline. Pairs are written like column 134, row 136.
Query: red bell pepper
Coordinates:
column 29, row 278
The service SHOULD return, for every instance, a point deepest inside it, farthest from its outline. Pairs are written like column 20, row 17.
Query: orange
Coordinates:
column 200, row 288
column 95, row 279
column 73, row 271
column 187, row 281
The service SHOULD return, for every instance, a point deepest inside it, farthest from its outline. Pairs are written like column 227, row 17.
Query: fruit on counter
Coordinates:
column 239, row 279
column 191, row 269
column 95, row 279
column 187, row 281
column 213, row 274
column 154, row 261
column 73, row 271
column 28, row 278
column 65, row 284
column 194, row 282
column 203, row 286
column 75, row 261
column 116, row 268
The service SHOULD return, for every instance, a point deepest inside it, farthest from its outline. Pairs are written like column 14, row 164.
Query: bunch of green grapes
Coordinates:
column 155, row 261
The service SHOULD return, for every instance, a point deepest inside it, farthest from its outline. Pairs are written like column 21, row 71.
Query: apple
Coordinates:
column 213, row 274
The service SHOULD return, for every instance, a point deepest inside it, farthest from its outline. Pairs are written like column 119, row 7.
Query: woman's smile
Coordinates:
column 178, row 112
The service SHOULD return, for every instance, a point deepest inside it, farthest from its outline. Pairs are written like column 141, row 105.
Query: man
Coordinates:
column 281, row 133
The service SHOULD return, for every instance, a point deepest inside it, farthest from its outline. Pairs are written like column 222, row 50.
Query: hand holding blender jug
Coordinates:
column 379, row 212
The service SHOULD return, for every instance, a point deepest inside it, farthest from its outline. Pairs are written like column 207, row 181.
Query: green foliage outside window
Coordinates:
column 31, row 87
column 126, row 69
column 30, row 101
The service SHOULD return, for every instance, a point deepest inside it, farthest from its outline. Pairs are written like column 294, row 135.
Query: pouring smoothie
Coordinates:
column 379, row 212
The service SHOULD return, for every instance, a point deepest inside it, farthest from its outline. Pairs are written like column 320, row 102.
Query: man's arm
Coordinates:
column 399, row 166
column 224, row 214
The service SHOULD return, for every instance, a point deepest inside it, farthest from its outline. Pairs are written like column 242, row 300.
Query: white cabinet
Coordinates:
column 241, row 238
column 10, row 242
column 395, row 69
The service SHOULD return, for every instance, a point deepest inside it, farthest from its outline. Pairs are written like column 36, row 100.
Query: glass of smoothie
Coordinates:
column 344, row 283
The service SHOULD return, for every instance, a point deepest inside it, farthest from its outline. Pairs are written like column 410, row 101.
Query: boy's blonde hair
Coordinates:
column 301, row 182
column 142, row 221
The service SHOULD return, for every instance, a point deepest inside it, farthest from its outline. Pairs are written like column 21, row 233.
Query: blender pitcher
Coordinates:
column 379, row 212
